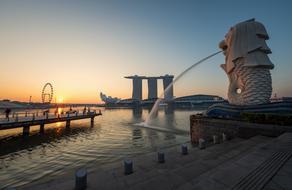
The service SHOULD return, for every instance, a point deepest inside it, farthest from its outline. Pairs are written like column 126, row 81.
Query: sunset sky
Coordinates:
column 86, row 47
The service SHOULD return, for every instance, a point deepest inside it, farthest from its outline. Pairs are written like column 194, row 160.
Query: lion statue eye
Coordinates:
column 238, row 91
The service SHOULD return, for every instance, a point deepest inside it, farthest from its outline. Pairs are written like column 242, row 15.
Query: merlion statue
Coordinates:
column 247, row 63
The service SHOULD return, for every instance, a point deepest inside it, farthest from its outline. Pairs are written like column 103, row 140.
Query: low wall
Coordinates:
column 206, row 127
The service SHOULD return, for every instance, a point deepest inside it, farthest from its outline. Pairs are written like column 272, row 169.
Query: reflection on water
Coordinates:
column 60, row 110
column 137, row 112
column 60, row 149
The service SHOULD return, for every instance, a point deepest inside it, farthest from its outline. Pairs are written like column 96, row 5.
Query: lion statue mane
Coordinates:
column 247, row 64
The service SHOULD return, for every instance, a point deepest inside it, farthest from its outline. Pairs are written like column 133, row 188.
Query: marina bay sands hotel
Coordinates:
column 152, row 86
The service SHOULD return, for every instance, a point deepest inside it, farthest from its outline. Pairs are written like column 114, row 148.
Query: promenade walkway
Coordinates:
column 227, row 165
column 27, row 119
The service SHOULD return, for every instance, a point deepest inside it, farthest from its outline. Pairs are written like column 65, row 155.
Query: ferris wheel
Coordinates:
column 47, row 93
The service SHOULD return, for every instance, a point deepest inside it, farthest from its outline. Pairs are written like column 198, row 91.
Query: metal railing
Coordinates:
column 45, row 114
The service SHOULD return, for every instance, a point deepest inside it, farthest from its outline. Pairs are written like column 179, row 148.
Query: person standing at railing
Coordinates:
column 57, row 110
column 46, row 112
column 7, row 112
column 84, row 110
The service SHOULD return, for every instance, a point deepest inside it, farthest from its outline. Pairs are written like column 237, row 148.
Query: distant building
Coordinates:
column 108, row 99
column 152, row 86
column 198, row 100
column 282, row 99
column 168, row 99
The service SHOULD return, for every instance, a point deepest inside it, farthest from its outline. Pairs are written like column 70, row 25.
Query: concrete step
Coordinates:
column 249, row 170
column 184, row 169
column 260, row 176
column 257, row 178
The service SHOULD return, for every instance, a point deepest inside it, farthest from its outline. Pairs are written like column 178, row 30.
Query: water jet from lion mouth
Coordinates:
column 155, row 107
column 161, row 129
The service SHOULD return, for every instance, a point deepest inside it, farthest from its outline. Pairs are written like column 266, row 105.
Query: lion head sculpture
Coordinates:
column 247, row 63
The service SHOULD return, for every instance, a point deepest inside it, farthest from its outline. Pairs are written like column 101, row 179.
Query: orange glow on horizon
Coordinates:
column 60, row 99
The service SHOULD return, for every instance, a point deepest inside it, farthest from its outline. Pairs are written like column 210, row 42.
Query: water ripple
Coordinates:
column 59, row 150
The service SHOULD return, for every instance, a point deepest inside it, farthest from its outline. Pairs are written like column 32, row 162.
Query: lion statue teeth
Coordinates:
column 247, row 64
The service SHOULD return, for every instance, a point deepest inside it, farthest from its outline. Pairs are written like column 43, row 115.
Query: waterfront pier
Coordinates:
column 26, row 120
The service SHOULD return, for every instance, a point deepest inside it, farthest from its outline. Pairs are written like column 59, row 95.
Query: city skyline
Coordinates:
column 87, row 47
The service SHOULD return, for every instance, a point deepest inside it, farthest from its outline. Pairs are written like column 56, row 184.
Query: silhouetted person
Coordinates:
column 57, row 110
column 46, row 112
column 84, row 110
column 7, row 112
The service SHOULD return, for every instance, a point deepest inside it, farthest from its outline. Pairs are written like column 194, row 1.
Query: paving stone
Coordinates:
column 208, row 184
column 167, row 181
column 285, row 181
column 229, row 174
column 273, row 186
column 250, row 161
column 104, row 180
column 191, row 171
column 186, row 186
column 140, row 177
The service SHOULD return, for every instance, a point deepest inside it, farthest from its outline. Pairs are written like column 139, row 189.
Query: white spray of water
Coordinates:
column 156, row 105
